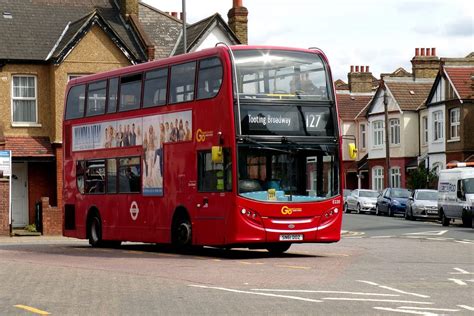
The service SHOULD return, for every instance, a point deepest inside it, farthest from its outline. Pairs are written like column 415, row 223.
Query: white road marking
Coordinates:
column 256, row 293
column 460, row 271
column 470, row 242
column 431, row 309
column 325, row 292
column 405, row 311
column 439, row 238
column 458, row 282
column 374, row 300
column 393, row 289
column 469, row 308
column 429, row 233
column 382, row 237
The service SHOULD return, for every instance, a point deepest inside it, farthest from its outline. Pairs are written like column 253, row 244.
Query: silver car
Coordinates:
column 361, row 201
column 422, row 204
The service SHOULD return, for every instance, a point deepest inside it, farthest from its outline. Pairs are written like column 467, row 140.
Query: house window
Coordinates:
column 378, row 133
column 395, row 131
column 362, row 136
column 395, row 177
column 454, row 123
column 377, row 178
column 424, row 124
column 438, row 127
column 24, row 106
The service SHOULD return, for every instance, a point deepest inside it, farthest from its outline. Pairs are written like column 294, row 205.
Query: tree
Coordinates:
column 422, row 178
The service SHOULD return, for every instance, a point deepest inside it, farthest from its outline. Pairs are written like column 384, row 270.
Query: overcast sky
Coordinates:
column 379, row 34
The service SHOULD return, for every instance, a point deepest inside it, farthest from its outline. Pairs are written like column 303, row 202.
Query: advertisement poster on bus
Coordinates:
column 151, row 132
column 158, row 130
column 122, row 133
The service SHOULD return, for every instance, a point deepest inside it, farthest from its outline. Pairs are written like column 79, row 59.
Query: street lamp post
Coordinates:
column 387, row 145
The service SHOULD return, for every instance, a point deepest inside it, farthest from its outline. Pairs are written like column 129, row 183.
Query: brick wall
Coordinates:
column 52, row 218
column 41, row 182
column 4, row 226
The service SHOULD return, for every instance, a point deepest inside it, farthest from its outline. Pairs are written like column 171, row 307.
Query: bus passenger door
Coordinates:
column 213, row 199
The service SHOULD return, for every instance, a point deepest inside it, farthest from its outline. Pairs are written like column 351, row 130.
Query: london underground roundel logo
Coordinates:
column 134, row 210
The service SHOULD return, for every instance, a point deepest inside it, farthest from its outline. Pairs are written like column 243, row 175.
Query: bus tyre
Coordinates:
column 182, row 233
column 278, row 249
column 95, row 232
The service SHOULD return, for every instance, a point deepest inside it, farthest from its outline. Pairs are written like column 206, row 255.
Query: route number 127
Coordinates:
column 312, row 120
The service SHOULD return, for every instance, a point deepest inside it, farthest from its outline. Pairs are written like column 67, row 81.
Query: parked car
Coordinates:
column 422, row 204
column 456, row 195
column 361, row 201
column 392, row 201
column 345, row 194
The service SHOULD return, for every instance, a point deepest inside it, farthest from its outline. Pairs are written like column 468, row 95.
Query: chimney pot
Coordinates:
column 181, row 16
column 417, row 52
column 352, row 68
column 357, row 68
column 428, row 52
column 422, row 52
column 174, row 14
column 433, row 51
column 237, row 3
column 367, row 68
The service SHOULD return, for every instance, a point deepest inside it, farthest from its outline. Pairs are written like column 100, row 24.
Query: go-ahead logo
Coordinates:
column 285, row 210
column 201, row 135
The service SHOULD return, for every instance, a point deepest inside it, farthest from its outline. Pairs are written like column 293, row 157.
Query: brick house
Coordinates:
column 352, row 99
column 47, row 42
column 403, row 94
column 447, row 122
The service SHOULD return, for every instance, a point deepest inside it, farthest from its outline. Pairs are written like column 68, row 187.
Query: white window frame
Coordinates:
column 378, row 133
column 438, row 126
column 363, row 139
column 35, row 98
column 377, row 178
column 424, row 126
column 395, row 177
column 454, row 126
column 394, row 131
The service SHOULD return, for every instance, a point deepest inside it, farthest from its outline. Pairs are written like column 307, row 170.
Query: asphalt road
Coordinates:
column 382, row 266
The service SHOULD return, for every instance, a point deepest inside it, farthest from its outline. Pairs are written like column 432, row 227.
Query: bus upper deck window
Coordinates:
column 113, row 91
column 182, row 82
column 96, row 96
column 130, row 92
column 75, row 102
column 155, row 88
column 209, row 78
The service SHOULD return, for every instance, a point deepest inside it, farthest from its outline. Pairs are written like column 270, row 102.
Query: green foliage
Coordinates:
column 31, row 228
column 422, row 178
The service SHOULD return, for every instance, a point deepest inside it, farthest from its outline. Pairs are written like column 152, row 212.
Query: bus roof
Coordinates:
column 218, row 50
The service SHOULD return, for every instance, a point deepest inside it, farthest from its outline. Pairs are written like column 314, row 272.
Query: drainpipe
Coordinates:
column 388, row 179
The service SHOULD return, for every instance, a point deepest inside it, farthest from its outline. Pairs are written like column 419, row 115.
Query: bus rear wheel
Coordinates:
column 182, row 233
column 95, row 232
column 278, row 249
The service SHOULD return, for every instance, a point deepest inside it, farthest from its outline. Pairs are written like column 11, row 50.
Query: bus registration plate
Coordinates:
column 291, row 237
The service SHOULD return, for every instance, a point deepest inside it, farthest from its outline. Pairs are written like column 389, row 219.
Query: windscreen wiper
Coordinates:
column 248, row 139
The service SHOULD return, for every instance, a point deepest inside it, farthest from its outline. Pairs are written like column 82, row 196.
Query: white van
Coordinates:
column 456, row 195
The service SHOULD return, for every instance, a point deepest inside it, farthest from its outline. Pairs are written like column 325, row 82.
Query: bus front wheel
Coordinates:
column 278, row 249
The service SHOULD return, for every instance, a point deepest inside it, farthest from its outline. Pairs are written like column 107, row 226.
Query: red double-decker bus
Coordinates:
column 227, row 147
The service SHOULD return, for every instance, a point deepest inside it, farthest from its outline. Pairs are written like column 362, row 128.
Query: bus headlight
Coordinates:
column 251, row 216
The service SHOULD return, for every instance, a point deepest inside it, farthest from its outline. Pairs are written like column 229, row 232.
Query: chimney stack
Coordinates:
column 360, row 80
column 238, row 21
column 425, row 64
column 128, row 7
